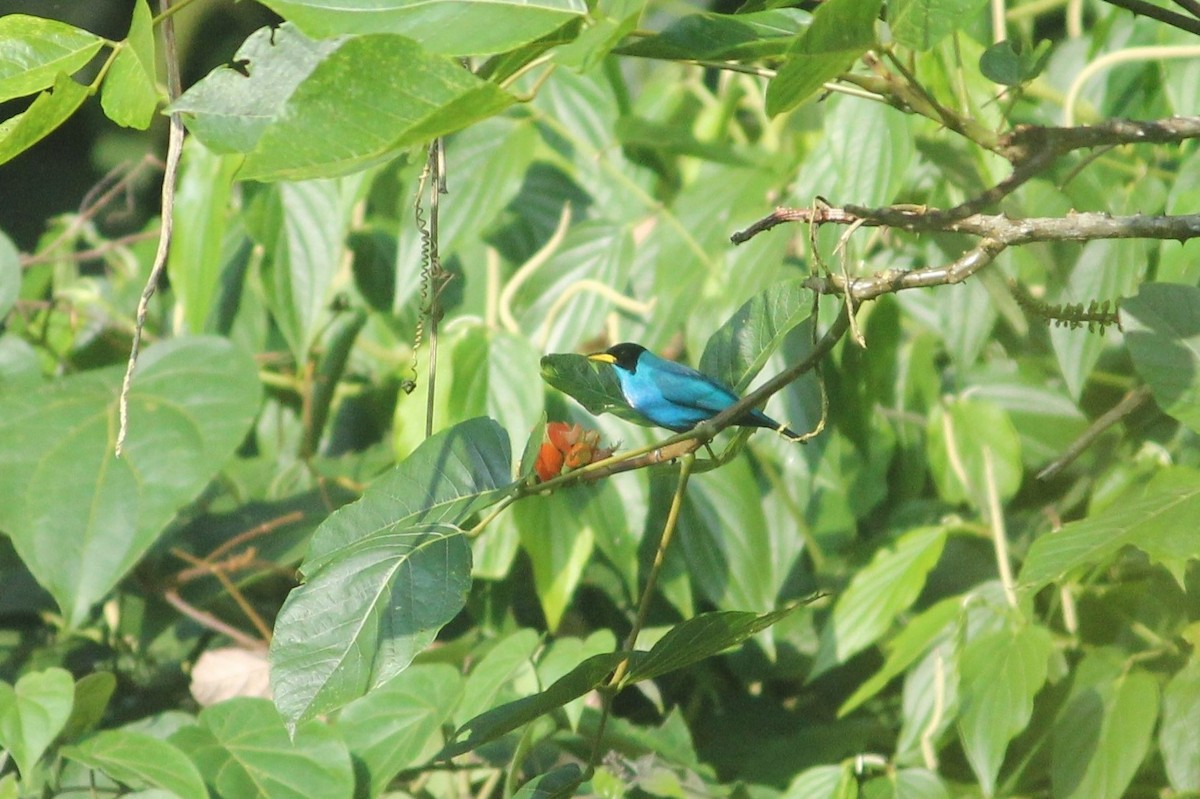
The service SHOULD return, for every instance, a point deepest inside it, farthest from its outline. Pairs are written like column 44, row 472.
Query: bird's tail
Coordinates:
column 760, row 419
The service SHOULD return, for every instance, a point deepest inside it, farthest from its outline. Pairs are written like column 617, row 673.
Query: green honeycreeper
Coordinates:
column 674, row 396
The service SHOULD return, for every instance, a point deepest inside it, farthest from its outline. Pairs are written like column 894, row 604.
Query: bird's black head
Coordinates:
column 623, row 356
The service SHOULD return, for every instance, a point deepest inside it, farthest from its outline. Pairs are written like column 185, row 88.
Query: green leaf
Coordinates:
column 449, row 27
column 909, row 783
column 363, row 616
column 320, row 109
column 824, row 782
column 877, row 595
column 1159, row 519
column 130, row 93
column 139, row 761
column 723, row 37
column 34, row 50
column 506, row 670
column 921, row 24
column 1162, row 330
column 1104, row 270
column 1179, row 736
column 92, row 693
column 242, row 749
column 559, row 782
column 306, row 225
column 999, row 673
column 1009, row 64
column 739, row 349
column 495, row 375
column 911, row 642
column 871, row 146
column 44, row 115
column 1104, row 732
column 593, row 385
column 452, row 475
column 702, row 637
column 557, row 534
column 10, row 275
column 191, row 403
column 490, row 725
column 840, row 32
column 734, row 557
column 390, row 728
column 201, row 219
column 229, row 110
column 32, row 713
column 961, row 433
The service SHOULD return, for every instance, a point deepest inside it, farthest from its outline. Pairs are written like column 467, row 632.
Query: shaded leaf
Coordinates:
column 560, row 781
column 1179, row 735
column 191, row 402
column 702, row 637
column 921, row 24
column 840, row 32
column 1162, row 330
column 1159, row 519
column 592, row 384
column 493, row 723
column 720, row 37
column 960, row 434
column 877, row 594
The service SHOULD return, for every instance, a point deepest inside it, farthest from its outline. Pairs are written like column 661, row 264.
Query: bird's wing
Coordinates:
column 685, row 386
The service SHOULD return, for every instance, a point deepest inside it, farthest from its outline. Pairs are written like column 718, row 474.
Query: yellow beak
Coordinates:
column 602, row 357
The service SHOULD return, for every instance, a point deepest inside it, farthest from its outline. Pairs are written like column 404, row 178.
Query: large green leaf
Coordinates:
column 139, row 761
column 48, row 111
column 317, row 109
column 1104, row 731
column 1159, row 519
column 1000, row 674
column 920, row 24
column 450, row 27
column 504, row 672
column 393, row 726
column 191, row 403
column 877, row 594
column 243, row 749
column 840, row 32
column 1162, row 330
column 32, row 713
column 363, row 616
column 722, row 37
column 34, row 50
column 452, row 475
column 739, row 349
column 130, row 92
column 495, row 375
column 871, row 146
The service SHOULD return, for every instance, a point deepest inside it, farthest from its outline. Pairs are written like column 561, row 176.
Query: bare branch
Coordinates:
column 1175, row 20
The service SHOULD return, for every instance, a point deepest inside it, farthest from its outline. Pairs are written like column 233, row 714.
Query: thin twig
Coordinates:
column 174, row 149
column 220, row 571
column 98, row 251
column 1130, row 403
column 999, row 532
column 1159, row 13
column 208, row 620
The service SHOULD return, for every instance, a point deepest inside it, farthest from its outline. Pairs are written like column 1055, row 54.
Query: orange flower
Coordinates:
column 569, row 444
column 549, row 462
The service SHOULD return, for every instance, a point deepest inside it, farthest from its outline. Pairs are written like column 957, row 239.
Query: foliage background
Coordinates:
column 980, row 630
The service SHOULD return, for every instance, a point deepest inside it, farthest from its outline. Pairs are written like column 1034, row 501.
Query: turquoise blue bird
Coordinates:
column 674, row 396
